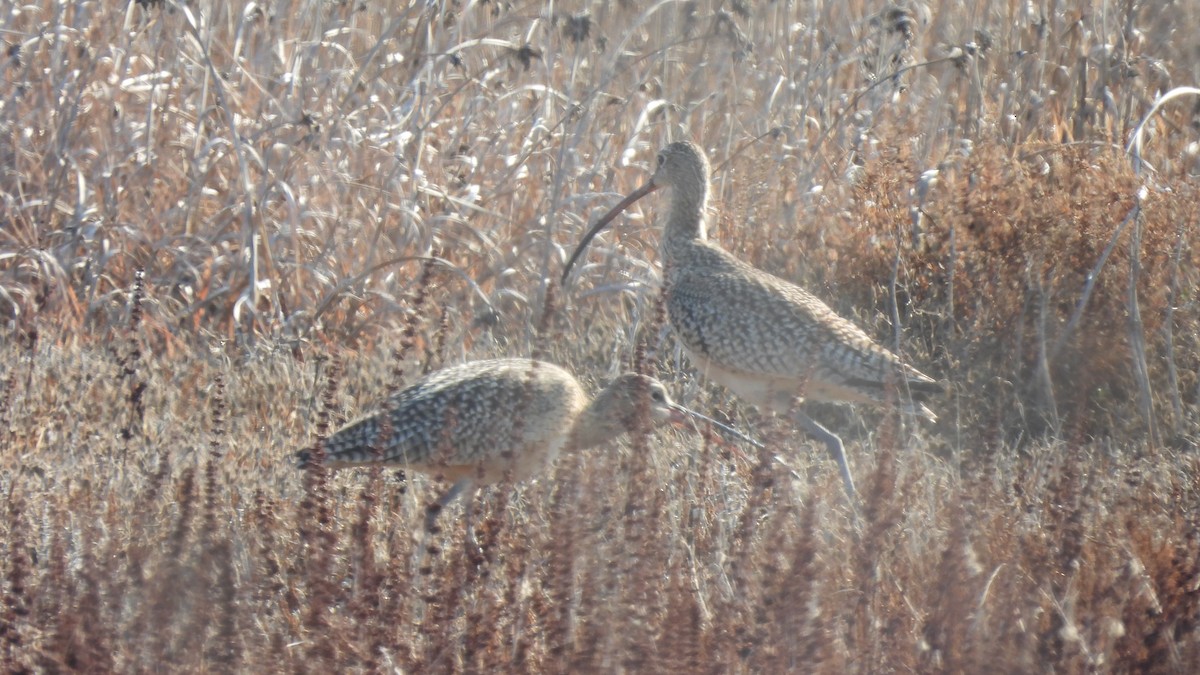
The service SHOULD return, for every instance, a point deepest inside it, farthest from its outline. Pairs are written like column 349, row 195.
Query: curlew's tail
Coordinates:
column 920, row 391
column 923, row 390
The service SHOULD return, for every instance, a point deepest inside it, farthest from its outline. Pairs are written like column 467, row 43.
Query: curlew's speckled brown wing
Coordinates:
column 746, row 322
column 483, row 416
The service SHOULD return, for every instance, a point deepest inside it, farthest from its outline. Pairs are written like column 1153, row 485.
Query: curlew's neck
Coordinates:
column 685, row 220
column 594, row 427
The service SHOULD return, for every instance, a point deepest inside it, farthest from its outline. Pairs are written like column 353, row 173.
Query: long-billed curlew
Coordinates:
column 768, row 340
column 478, row 422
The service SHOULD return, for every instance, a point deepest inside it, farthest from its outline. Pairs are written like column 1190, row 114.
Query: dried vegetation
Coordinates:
column 225, row 228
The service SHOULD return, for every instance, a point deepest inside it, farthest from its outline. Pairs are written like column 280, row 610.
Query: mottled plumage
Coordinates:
column 767, row 339
column 478, row 421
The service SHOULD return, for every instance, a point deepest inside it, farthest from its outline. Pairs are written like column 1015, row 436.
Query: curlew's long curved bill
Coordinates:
column 727, row 432
column 605, row 220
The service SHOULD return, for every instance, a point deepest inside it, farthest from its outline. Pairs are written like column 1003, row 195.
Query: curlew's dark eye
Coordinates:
column 657, row 396
column 661, row 159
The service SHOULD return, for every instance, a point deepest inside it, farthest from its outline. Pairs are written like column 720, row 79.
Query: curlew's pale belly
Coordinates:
column 771, row 392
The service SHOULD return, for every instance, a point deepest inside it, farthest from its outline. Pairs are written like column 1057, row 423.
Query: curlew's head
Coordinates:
column 680, row 166
column 620, row 407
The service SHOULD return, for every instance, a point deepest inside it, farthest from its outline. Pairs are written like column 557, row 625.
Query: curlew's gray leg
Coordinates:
column 463, row 485
column 836, row 450
column 435, row 509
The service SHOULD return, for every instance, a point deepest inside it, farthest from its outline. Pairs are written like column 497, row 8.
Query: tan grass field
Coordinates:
column 217, row 222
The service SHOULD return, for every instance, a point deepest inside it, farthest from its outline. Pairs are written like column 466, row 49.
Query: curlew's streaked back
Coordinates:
column 768, row 340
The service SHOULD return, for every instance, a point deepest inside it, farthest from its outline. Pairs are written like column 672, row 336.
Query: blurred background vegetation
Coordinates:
column 217, row 226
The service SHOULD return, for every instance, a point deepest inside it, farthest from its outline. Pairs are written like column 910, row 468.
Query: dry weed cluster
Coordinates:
column 227, row 228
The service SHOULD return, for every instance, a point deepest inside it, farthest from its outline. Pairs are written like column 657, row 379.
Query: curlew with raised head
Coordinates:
column 482, row 421
column 768, row 340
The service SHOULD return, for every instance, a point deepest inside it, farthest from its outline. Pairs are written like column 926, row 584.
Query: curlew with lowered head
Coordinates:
column 483, row 421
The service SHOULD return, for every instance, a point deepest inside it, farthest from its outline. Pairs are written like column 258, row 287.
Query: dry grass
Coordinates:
column 215, row 217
